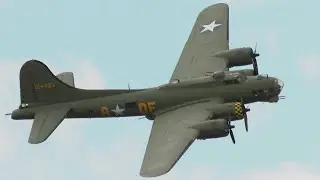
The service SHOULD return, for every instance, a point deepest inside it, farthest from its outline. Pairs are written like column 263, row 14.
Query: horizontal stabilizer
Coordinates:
column 67, row 77
column 45, row 122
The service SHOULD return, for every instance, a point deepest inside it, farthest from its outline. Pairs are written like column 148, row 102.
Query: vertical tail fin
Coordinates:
column 39, row 85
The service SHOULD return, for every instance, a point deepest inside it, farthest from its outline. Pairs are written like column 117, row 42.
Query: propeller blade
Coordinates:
column 230, row 131
column 254, row 54
column 245, row 116
column 255, row 66
column 246, row 121
column 255, row 47
column 232, row 136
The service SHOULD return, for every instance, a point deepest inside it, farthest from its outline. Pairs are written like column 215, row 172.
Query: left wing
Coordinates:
column 171, row 136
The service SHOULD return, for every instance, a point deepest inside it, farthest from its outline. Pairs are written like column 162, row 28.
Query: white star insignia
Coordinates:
column 118, row 111
column 210, row 27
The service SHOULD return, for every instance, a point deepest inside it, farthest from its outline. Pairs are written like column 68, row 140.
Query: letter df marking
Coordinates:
column 147, row 107
column 151, row 106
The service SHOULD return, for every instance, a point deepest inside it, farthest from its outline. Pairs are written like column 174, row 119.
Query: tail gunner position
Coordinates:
column 200, row 101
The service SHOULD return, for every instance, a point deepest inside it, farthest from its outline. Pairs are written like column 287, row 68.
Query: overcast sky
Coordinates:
column 109, row 43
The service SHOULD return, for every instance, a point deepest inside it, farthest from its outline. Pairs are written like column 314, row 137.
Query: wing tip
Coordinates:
column 33, row 140
column 217, row 5
column 158, row 170
column 153, row 173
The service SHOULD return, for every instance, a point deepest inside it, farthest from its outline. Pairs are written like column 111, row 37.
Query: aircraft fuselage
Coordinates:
column 147, row 101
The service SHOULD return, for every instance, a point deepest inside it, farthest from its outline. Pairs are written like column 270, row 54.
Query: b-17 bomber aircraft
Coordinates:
column 200, row 101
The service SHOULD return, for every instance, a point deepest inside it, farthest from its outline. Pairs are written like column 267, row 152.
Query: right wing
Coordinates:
column 171, row 135
column 210, row 34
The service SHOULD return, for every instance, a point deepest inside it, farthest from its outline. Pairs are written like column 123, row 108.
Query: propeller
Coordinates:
column 232, row 136
column 253, row 55
column 231, row 132
column 245, row 116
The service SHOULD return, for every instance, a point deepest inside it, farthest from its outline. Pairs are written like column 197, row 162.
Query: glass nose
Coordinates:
column 280, row 83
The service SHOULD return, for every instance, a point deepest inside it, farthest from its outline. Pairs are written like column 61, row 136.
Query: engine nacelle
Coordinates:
column 235, row 111
column 218, row 124
column 237, row 56
column 211, row 125
column 214, row 128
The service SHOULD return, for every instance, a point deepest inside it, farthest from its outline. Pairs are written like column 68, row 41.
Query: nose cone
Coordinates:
column 279, row 84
